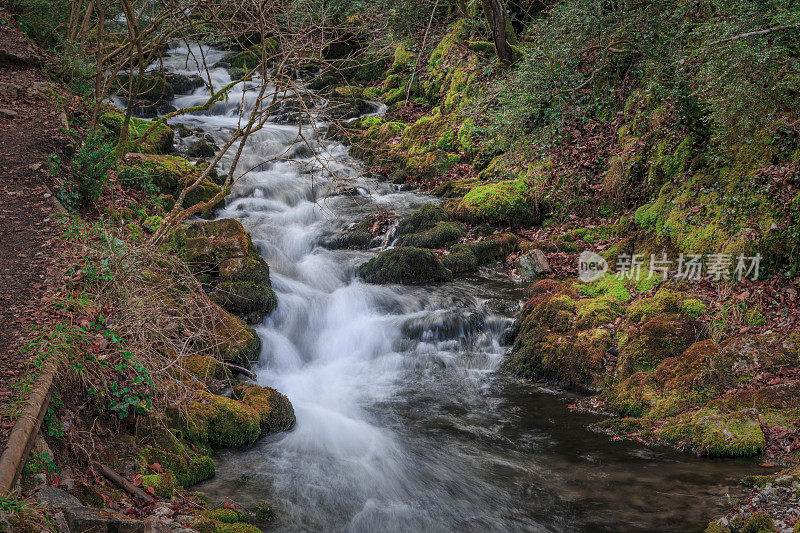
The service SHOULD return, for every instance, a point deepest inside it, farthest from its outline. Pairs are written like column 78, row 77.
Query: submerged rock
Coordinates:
column 406, row 265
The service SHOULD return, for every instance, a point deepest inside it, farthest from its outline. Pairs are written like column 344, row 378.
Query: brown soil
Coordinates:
column 29, row 231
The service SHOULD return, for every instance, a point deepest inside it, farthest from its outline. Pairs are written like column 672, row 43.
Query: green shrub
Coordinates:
column 90, row 174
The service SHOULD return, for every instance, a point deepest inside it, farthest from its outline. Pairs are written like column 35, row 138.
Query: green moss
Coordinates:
column 188, row 467
column 227, row 516
column 163, row 485
column 251, row 58
column 245, row 298
column 716, row 434
column 505, row 202
column 483, row 48
column 494, row 248
column 274, row 409
column 220, row 421
column 404, row 265
column 202, row 148
column 395, row 95
column 597, row 311
column 663, row 302
column 693, row 307
column 371, row 122
column 152, row 223
column 426, row 218
column 201, row 367
column 171, row 174
column 610, row 285
column 215, row 526
column 349, row 91
column 754, row 317
column 394, row 81
column 158, row 141
column 440, row 236
column 759, row 522
column 465, row 140
column 662, row 336
column 402, row 59
column 153, row 87
column 460, row 262
column 390, row 130
column 448, row 141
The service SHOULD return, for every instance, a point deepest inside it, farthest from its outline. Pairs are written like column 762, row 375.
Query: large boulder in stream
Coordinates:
column 406, row 265
column 222, row 255
column 251, row 412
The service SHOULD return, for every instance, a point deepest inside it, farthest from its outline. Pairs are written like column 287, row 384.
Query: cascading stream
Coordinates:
column 401, row 423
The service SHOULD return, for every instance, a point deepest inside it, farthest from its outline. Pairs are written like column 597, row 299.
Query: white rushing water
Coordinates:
column 401, row 425
column 335, row 346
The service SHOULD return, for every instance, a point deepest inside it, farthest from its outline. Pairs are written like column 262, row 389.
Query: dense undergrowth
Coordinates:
column 622, row 128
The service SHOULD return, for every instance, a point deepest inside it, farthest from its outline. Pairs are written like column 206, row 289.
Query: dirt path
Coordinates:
column 29, row 133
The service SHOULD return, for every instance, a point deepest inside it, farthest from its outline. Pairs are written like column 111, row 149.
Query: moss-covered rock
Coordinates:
column 404, row 265
column 716, row 434
column 222, row 251
column 491, row 249
column 226, row 516
column 200, row 367
column 159, row 140
column 230, row 338
column 423, row 220
column 188, row 466
column 402, row 59
column 460, row 262
column 171, row 174
column 430, row 164
column 505, row 202
column 245, row 298
column 440, row 236
column 658, row 338
column 163, row 485
column 152, row 87
column 207, row 525
column 665, row 301
column 220, row 421
column 202, row 148
column 557, row 335
column 759, row 522
column 274, row 409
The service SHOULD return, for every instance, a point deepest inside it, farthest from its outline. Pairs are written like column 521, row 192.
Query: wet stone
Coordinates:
column 101, row 521
column 54, row 498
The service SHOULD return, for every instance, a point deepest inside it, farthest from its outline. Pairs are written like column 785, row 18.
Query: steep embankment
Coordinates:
column 707, row 361
column 145, row 341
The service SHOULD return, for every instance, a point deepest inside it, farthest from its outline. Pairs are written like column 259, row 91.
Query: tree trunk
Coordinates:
column 500, row 26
